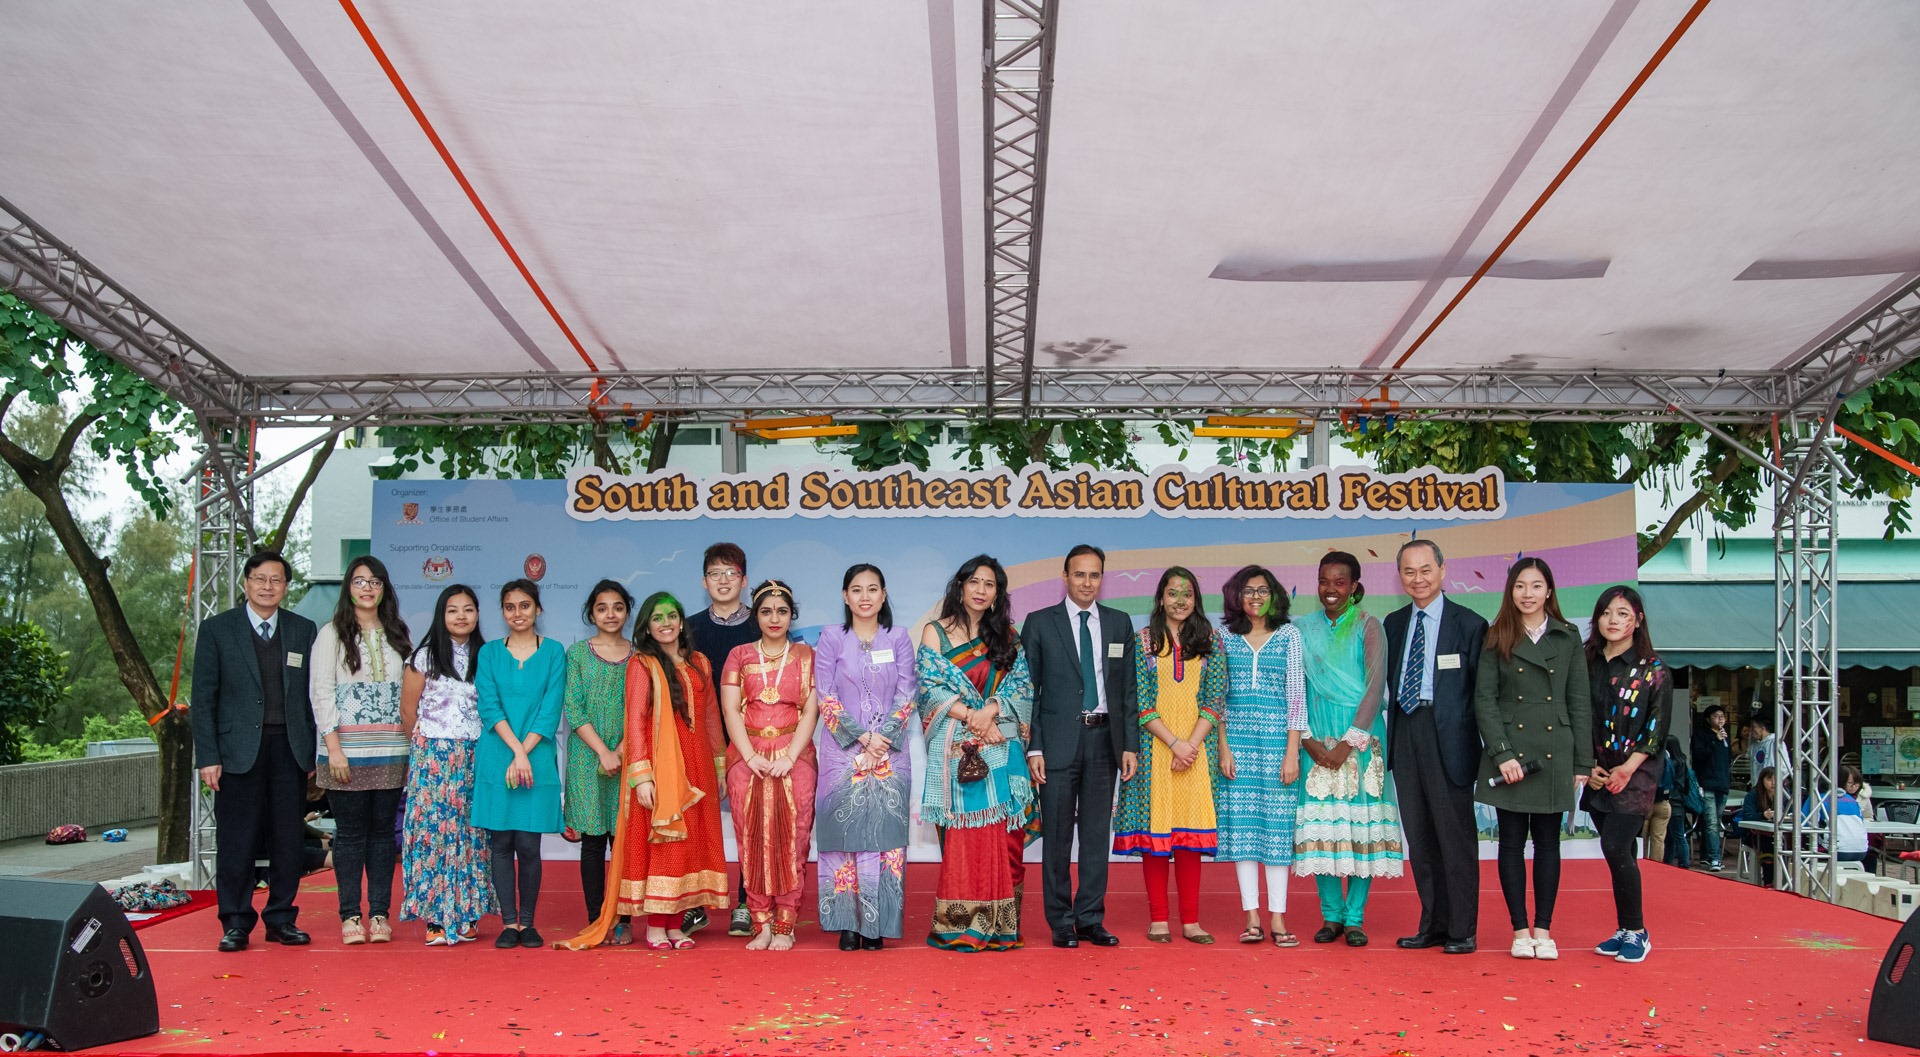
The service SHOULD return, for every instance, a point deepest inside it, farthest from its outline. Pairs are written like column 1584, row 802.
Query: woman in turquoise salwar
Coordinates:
column 1348, row 831
column 976, row 699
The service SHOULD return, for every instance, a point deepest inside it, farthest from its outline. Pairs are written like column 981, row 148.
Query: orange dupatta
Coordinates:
column 673, row 795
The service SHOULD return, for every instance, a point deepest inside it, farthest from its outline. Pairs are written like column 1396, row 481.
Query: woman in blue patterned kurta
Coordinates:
column 1260, row 745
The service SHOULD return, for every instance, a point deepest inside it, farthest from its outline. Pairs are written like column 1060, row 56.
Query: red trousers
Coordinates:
column 1186, row 868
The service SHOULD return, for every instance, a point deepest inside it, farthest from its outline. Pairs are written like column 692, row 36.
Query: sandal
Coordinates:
column 682, row 944
column 378, row 931
column 1253, row 934
column 661, row 945
column 621, row 936
column 352, row 932
column 1160, row 937
column 1285, row 939
column 1197, row 937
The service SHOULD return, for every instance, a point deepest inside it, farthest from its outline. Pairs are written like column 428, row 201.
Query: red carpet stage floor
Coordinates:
column 1734, row 970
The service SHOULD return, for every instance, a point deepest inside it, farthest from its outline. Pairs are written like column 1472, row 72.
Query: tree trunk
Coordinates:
column 1721, row 471
column 278, row 541
column 661, row 446
column 42, row 478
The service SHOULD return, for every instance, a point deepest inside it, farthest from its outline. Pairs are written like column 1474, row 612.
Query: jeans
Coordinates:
column 1712, row 822
column 364, row 844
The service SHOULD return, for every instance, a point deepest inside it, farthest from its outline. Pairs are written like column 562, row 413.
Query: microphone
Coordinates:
column 1530, row 767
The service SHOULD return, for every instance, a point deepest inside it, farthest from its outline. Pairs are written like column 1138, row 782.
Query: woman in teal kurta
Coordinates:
column 520, row 682
column 1347, row 832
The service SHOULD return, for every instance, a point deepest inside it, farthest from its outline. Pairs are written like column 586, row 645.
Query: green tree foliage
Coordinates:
column 126, row 727
column 33, row 679
column 527, row 451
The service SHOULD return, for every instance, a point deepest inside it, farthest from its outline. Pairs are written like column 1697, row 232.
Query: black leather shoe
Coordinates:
column 1329, row 933
column 1420, row 942
column 288, row 935
column 1099, row 936
column 1466, row 946
column 1065, row 939
column 1355, row 937
column 849, row 940
column 872, row 943
column 234, row 940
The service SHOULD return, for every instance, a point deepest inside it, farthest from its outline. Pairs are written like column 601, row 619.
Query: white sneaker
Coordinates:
column 1523, row 947
column 1546, row 950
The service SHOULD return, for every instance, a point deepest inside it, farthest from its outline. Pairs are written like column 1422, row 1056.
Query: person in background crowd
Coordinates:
column 865, row 672
column 1849, row 819
column 1763, row 745
column 1348, row 831
column 1856, row 787
column 976, row 699
column 1167, row 814
column 521, row 686
column 669, row 855
column 1632, row 703
column 1266, row 715
column 1433, row 747
column 767, row 696
column 1660, row 819
column 725, row 625
column 1532, row 701
column 1758, row 807
column 357, row 661
column 1713, row 767
column 444, row 860
column 1682, row 798
column 253, row 736
column 1084, row 735
column 596, row 716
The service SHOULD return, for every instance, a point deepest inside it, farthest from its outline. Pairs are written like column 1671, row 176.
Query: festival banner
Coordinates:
column 807, row 525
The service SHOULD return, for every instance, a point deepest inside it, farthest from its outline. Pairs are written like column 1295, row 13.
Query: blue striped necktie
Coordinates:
column 1416, row 670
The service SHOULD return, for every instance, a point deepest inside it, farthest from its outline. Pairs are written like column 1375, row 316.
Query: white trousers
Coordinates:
column 1248, row 874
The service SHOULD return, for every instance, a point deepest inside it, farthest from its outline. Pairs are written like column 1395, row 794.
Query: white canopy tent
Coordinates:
column 1027, row 207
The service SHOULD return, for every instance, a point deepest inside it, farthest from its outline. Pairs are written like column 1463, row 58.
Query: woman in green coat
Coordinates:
column 1531, row 701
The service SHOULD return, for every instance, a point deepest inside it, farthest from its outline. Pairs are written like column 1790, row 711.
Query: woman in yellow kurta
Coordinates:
column 1166, row 809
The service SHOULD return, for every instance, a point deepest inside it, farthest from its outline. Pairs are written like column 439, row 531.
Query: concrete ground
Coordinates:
column 95, row 860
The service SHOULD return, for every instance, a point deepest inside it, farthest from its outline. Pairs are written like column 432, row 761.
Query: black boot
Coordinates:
column 849, row 940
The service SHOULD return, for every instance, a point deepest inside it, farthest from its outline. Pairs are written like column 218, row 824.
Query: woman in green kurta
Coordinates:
column 1348, row 832
column 597, row 717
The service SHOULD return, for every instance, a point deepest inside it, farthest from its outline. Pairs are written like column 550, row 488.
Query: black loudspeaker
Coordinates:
column 71, row 967
column 1893, row 1015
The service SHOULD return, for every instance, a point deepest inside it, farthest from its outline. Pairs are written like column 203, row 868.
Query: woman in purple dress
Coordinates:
column 864, row 672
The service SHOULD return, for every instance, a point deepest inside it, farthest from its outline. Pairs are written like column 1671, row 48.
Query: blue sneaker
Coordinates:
column 1634, row 947
column 1610, row 947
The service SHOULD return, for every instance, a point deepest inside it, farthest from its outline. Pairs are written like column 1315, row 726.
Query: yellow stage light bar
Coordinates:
column 792, row 432
column 754, row 425
column 1269, row 433
column 1287, row 422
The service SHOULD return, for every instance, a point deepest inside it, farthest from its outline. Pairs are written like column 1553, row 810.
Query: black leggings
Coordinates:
column 593, row 871
column 507, row 845
column 1618, row 833
column 363, row 845
column 1515, row 828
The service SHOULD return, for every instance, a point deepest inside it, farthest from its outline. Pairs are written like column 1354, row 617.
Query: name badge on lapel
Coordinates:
column 1446, row 661
column 882, row 656
column 1116, row 649
column 295, row 660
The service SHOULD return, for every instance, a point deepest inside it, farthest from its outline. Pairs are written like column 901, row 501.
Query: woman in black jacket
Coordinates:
column 1713, row 767
column 1632, row 694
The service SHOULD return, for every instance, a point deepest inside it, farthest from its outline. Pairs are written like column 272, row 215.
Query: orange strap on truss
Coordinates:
column 180, row 651
column 1566, row 170
column 1876, row 449
column 419, row 115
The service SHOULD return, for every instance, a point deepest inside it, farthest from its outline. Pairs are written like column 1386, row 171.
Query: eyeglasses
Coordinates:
column 268, row 581
column 723, row 575
column 363, row 583
column 1255, row 592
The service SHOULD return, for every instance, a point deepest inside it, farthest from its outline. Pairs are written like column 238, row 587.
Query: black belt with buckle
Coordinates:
column 1093, row 719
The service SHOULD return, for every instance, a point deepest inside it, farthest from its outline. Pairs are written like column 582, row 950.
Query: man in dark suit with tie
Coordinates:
column 253, row 741
column 1085, row 732
column 1433, row 747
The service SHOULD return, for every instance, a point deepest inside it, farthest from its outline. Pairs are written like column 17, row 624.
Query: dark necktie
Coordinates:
column 266, row 630
column 1411, row 678
column 1089, row 688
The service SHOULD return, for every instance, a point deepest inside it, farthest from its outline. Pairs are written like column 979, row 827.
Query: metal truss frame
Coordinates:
column 221, row 544
column 1806, row 493
column 1017, row 91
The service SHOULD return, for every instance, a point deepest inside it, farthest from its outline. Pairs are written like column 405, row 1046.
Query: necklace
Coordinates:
column 770, row 689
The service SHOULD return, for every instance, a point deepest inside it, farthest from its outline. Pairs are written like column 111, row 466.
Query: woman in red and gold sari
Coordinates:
column 668, row 855
column 766, row 695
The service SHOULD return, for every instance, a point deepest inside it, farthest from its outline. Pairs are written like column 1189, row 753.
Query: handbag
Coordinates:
column 973, row 767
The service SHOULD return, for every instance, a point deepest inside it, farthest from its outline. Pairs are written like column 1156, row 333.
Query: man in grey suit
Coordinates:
column 1085, row 731
column 1433, row 747
column 253, row 740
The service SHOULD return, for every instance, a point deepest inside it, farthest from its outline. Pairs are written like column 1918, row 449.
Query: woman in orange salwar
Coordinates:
column 766, row 695
column 668, row 855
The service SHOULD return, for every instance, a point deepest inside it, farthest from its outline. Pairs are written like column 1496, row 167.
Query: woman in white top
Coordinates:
column 444, row 862
column 363, row 751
